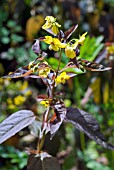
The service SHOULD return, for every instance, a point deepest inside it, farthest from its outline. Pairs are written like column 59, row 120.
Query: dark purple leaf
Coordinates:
column 77, row 51
column 86, row 123
column 70, row 31
column 72, row 70
column 37, row 50
column 42, row 161
column 50, row 31
column 35, row 128
column 59, row 93
column 43, row 55
column 36, row 47
column 92, row 66
column 33, row 76
column 59, row 115
column 15, row 123
column 41, row 97
column 20, row 72
column 61, row 35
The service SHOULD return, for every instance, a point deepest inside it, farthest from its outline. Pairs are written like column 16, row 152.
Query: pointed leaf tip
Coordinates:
column 86, row 123
column 70, row 31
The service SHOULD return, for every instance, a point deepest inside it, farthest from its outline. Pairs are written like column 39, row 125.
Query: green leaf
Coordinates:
column 4, row 31
column 5, row 40
column 11, row 24
column 16, row 38
column 74, row 70
column 54, row 63
column 18, row 28
column 94, row 45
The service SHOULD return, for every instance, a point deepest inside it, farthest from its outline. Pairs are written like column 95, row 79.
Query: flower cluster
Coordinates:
column 56, row 44
column 51, row 24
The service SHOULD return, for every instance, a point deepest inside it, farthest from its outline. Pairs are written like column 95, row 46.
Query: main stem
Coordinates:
column 46, row 115
column 42, row 132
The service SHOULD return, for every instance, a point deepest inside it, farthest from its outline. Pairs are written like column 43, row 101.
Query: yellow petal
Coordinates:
column 48, row 39
column 62, row 45
column 54, row 47
column 55, row 29
column 82, row 38
column 46, row 25
column 50, row 19
column 56, row 41
column 70, row 52
column 58, row 25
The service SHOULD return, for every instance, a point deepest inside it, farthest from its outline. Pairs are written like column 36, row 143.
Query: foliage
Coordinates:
column 55, row 111
column 93, row 159
column 15, row 156
column 95, row 46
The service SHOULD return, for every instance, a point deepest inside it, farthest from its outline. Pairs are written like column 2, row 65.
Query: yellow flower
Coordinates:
column 62, row 78
column 55, row 43
column 110, row 49
column 69, row 51
column 70, row 47
column 81, row 38
column 45, row 103
column 44, row 72
column 52, row 24
column 18, row 100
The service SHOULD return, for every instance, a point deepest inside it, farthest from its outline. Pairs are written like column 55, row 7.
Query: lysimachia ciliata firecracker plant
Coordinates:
column 58, row 42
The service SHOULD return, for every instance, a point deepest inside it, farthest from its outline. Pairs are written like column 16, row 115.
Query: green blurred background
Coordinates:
column 20, row 24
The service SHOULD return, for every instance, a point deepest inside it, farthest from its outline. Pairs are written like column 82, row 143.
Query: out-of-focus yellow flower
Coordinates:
column 1, row 87
column 28, row 93
column 55, row 43
column 1, row 83
column 52, row 24
column 62, row 78
column 24, row 86
column 45, row 103
column 1, row 80
column 9, row 101
column 11, row 106
column 110, row 49
column 69, row 51
column 44, row 72
column 18, row 100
